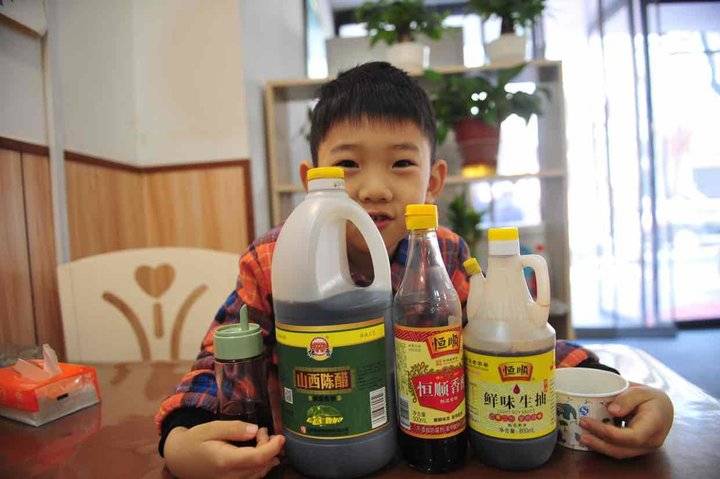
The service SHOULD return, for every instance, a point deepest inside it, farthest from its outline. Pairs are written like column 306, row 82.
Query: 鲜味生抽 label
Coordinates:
column 511, row 397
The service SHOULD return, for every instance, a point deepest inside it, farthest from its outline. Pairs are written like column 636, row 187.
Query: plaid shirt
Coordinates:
column 198, row 389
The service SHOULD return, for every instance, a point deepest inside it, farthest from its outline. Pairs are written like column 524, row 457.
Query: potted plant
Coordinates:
column 510, row 46
column 397, row 23
column 465, row 220
column 474, row 107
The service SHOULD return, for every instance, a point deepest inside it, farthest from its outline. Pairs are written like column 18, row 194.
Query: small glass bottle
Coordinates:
column 430, row 379
column 241, row 374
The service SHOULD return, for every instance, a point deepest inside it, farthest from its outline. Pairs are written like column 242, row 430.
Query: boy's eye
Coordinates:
column 346, row 164
column 403, row 164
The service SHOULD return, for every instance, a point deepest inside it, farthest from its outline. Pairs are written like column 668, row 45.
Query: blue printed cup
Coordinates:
column 583, row 392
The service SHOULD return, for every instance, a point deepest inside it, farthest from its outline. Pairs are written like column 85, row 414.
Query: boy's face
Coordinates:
column 387, row 166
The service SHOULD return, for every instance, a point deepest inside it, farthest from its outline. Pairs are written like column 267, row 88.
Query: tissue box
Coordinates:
column 37, row 402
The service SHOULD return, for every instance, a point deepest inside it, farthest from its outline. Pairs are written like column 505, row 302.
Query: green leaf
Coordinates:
column 441, row 132
column 456, row 97
column 394, row 21
column 506, row 74
column 432, row 75
column 465, row 220
column 518, row 12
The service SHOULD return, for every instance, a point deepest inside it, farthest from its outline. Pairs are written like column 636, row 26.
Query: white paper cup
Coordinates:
column 583, row 392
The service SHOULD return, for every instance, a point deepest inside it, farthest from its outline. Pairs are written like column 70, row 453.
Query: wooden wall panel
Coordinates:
column 106, row 211
column 200, row 207
column 113, row 207
column 41, row 244
column 16, row 312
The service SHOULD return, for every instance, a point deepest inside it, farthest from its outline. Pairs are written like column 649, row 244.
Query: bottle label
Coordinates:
column 511, row 397
column 333, row 379
column 430, row 381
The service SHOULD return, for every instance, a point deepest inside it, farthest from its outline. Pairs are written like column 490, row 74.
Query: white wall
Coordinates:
column 152, row 82
column 188, row 79
column 29, row 13
column 95, row 50
column 273, row 48
column 22, row 107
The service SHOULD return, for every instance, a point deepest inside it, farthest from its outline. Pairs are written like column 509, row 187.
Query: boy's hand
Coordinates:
column 651, row 416
column 202, row 451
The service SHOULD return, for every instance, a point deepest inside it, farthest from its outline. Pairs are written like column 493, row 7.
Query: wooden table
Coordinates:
column 118, row 438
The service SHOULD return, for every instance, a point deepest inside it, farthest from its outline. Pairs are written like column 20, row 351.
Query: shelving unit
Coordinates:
column 286, row 104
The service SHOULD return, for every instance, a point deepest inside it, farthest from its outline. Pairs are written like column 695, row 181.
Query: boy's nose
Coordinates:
column 374, row 191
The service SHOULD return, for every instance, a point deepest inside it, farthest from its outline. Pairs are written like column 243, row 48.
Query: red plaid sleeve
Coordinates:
column 570, row 355
column 455, row 251
column 198, row 388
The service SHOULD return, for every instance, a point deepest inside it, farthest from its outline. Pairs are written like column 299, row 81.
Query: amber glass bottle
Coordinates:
column 430, row 379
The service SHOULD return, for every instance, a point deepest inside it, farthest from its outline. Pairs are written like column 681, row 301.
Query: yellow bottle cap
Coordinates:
column 324, row 172
column 472, row 266
column 421, row 217
column 503, row 234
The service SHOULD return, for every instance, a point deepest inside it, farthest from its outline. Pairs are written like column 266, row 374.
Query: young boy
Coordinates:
column 376, row 123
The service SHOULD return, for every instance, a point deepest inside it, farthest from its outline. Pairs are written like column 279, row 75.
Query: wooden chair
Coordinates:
column 142, row 304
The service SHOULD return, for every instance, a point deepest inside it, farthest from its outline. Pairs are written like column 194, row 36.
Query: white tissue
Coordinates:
column 30, row 371
column 50, row 363
column 35, row 373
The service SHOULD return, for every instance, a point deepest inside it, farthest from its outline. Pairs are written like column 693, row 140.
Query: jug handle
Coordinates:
column 381, row 264
column 541, row 307
column 359, row 217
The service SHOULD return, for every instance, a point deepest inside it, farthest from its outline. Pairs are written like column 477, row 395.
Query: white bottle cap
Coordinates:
column 326, row 178
column 503, row 241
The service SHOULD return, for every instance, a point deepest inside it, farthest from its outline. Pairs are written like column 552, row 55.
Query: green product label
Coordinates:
column 333, row 379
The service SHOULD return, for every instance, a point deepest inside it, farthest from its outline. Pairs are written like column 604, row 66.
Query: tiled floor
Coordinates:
column 692, row 353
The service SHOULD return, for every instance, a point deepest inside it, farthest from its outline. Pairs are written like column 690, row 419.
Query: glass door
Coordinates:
column 684, row 59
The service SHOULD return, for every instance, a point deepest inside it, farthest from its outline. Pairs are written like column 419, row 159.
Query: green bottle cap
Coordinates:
column 238, row 341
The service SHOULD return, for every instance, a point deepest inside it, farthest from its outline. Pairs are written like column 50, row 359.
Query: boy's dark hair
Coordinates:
column 376, row 91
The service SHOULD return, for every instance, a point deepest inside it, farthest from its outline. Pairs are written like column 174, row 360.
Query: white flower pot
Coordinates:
column 412, row 57
column 507, row 49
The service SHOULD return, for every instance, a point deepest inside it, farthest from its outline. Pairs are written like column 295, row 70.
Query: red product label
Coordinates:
column 443, row 391
column 515, row 371
column 430, row 380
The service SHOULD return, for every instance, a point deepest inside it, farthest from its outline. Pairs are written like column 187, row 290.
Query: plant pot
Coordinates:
column 413, row 57
column 478, row 142
column 507, row 49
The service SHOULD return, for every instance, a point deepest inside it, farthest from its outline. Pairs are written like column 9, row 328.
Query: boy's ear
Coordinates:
column 304, row 167
column 438, row 173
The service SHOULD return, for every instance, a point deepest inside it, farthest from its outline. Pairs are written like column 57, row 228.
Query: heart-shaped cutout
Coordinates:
column 155, row 281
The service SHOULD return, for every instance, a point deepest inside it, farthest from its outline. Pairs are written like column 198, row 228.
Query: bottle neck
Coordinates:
column 426, row 297
column 501, row 264
column 424, row 249
column 507, row 270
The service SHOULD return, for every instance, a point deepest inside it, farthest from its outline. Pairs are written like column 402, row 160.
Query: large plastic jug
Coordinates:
column 509, row 358
column 333, row 338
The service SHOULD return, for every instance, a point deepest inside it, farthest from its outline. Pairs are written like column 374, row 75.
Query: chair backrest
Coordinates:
column 142, row 304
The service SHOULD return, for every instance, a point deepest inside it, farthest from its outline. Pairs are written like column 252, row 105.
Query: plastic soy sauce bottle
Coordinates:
column 241, row 374
column 430, row 380
column 334, row 357
column 509, row 358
